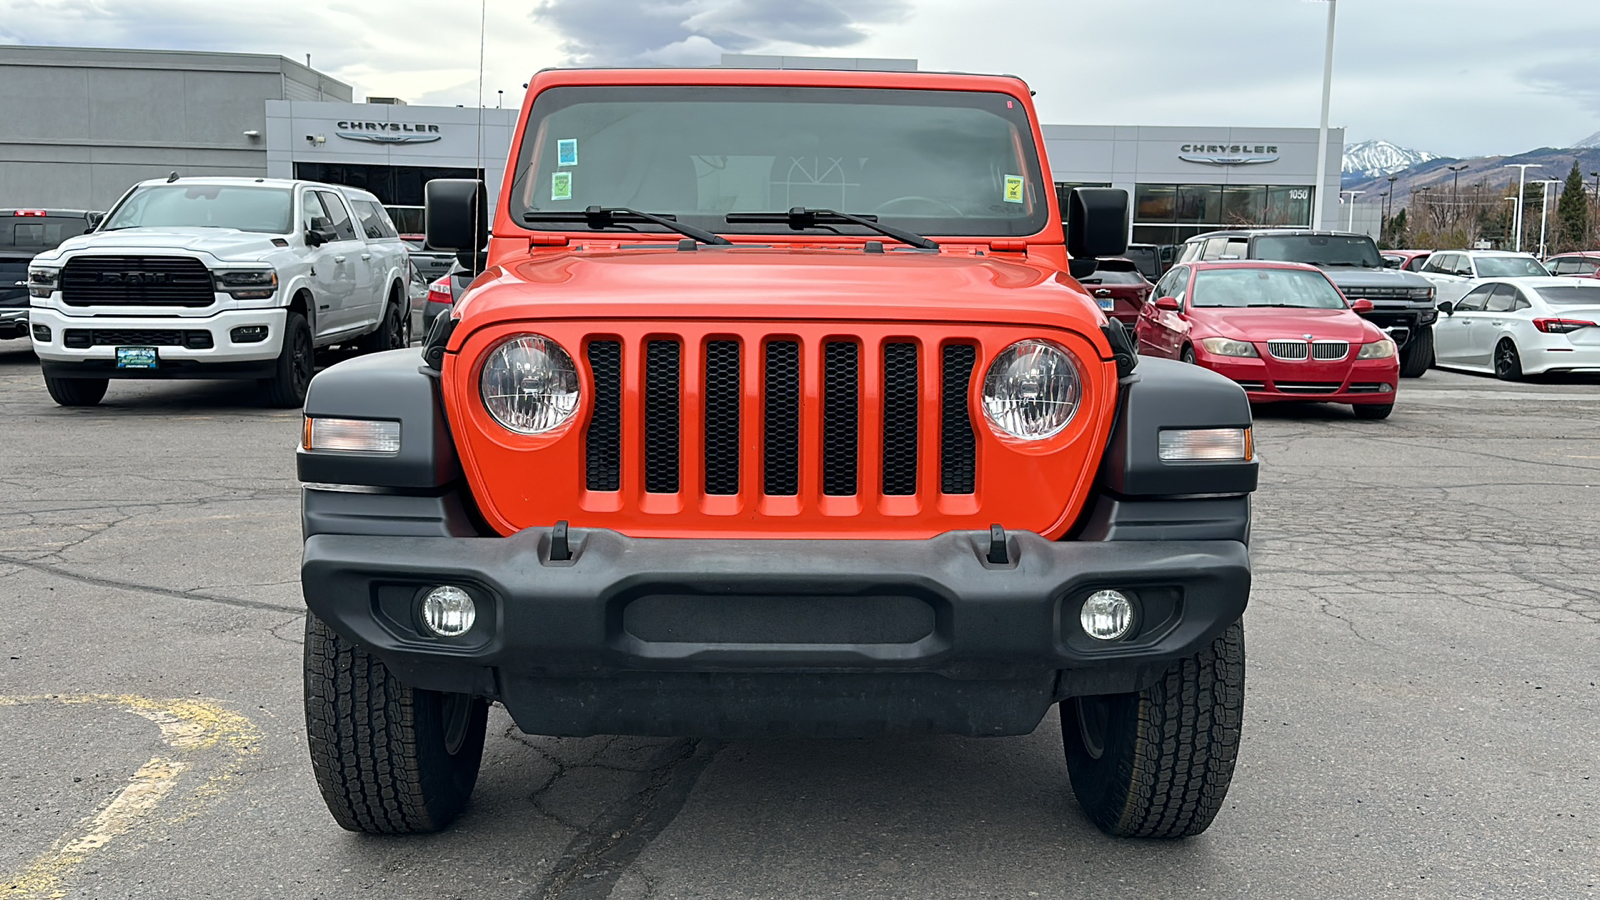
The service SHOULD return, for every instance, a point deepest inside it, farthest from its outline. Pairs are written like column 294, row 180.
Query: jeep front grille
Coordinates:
column 136, row 281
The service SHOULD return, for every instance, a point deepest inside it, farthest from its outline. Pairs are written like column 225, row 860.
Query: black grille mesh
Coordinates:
column 782, row 419
column 958, row 443
column 722, row 417
column 661, row 417
column 124, row 337
column 900, row 419
column 604, row 440
column 136, row 280
column 841, row 388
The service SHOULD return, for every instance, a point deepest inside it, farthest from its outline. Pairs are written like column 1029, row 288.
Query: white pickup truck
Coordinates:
column 218, row 278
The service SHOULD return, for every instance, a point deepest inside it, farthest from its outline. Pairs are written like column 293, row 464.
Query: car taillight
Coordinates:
column 1561, row 326
column 439, row 291
column 28, row 212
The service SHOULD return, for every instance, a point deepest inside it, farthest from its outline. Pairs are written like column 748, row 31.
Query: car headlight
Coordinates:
column 1380, row 349
column 42, row 281
column 1228, row 347
column 247, row 284
column 1032, row 390
column 529, row 384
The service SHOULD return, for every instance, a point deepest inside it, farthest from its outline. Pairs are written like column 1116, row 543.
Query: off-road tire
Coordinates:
column 296, row 364
column 1507, row 362
column 391, row 333
column 1418, row 355
column 389, row 759
column 1157, row 763
column 1372, row 410
column 77, row 391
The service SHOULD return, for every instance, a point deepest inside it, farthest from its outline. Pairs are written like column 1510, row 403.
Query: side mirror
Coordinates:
column 95, row 218
column 1447, row 307
column 1391, row 263
column 1361, row 305
column 456, row 214
column 1097, row 223
column 1168, row 303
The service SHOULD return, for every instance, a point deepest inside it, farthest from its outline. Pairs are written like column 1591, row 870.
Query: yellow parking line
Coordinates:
column 189, row 727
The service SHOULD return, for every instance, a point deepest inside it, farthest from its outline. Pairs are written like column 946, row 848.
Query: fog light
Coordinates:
column 41, row 333
column 248, row 334
column 448, row 611
column 1385, row 389
column 1107, row 615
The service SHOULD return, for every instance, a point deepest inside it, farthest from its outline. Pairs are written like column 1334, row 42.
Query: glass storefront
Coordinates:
column 1173, row 213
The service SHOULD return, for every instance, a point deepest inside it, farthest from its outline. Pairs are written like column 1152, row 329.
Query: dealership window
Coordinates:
column 1064, row 189
column 1173, row 213
column 392, row 185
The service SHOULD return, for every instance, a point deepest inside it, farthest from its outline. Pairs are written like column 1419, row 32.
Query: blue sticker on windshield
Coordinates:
column 567, row 152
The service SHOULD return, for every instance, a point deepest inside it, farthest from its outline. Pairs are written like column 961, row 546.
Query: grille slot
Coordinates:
column 958, row 443
column 1307, row 387
column 781, row 462
column 661, row 444
column 899, row 419
column 125, row 337
column 841, row 402
column 136, row 281
column 1328, row 351
column 722, row 417
column 603, row 443
column 1290, row 350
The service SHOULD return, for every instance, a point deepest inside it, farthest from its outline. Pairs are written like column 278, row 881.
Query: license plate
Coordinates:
column 1107, row 304
column 137, row 358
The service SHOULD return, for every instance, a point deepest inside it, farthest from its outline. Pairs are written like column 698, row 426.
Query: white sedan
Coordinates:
column 1455, row 272
column 1521, row 326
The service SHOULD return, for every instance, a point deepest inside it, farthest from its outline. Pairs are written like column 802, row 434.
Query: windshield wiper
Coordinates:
column 607, row 216
column 801, row 217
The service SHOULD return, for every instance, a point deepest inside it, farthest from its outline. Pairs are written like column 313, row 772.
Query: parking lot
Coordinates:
column 1420, row 713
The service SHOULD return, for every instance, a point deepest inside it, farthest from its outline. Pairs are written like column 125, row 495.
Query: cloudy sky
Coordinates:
column 1453, row 77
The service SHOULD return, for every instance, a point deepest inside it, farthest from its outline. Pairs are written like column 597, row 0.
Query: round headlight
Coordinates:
column 529, row 384
column 1032, row 390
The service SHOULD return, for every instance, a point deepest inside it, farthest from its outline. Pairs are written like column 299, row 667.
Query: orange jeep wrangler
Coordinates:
column 775, row 410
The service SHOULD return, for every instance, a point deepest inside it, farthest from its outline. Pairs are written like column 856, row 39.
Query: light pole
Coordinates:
column 1544, row 211
column 1322, row 133
column 1455, row 198
column 1596, row 200
column 1522, row 186
column 1390, row 195
column 1424, row 197
column 1350, row 218
column 1513, row 210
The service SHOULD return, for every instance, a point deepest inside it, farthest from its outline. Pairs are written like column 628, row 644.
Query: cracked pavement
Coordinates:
column 1420, row 708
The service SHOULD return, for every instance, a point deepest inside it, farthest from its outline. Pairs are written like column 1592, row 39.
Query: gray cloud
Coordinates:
column 690, row 32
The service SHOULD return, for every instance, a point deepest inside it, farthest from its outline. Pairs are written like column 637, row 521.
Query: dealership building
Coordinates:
column 78, row 126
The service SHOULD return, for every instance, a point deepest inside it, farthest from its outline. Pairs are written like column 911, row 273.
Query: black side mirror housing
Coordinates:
column 456, row 215
column 1097, row 222
column 1447, row 307
column 95, row 218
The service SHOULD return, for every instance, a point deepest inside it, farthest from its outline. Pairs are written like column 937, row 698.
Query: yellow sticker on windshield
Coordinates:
column 560, row 185
column 1013, row 188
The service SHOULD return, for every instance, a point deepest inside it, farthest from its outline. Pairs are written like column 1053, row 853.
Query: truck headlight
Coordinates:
column 1031, row 390
column 247, row 284
column 1381, row 349
column 529, row 384
column 1228, row 347
column 42, row 281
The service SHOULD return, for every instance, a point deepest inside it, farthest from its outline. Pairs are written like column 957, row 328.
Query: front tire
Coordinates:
column 389, row 759
column 76, row 391
column 1157, row 763
column 296, row 364
column 1416, row 358
column 1507, row 362
column 1372, row 410
column 1187, row 356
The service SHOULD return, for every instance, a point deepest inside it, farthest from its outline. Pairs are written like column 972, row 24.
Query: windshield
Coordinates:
column 932, row 162
column 1264, row 287
column 1319, row 250
column 1509, row 267
column 259, row 209
column 1575, row 295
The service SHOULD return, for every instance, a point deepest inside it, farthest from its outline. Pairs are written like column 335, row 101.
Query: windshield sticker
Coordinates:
column 560, row 185
column 567, row 152
column 1013, row 189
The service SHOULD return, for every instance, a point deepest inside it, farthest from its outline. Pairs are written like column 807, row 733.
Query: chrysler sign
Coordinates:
column 1228, row 154
column 388, row 132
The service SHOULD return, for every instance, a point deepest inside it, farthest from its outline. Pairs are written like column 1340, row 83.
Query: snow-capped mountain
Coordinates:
column 1375, row 158
column 1589, row 142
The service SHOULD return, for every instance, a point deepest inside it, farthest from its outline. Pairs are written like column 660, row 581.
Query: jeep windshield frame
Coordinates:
column 253, row 208
column 936, row 162
column 1319, row 249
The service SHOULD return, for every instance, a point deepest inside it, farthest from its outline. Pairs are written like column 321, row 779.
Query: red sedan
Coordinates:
column 1281, row 330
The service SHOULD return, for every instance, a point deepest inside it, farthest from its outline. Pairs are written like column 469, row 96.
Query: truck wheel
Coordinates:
column 1372, row 410
column 1156, row 763
column 391, row 333
column 389, row 759
column 76, row 391
column 296, row 365
column 1418, row 356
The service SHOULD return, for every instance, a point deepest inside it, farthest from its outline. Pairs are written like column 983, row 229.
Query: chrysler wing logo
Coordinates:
column 1228, row 154
column 388, row 138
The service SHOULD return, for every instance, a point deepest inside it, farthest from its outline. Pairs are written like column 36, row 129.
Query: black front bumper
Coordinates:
column 688, row 636
column 1402, row 322
column 169, row 369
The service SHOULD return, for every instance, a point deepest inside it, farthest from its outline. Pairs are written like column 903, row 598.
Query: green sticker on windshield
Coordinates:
column 1013, row 189
column 560, row 185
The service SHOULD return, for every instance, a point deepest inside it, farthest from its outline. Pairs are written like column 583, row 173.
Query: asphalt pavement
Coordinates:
column 1421, row 703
